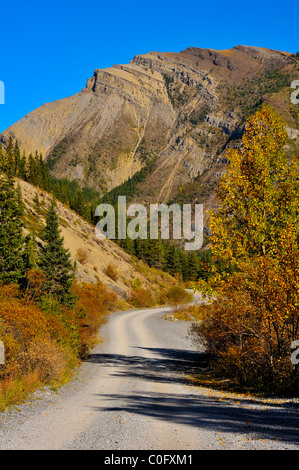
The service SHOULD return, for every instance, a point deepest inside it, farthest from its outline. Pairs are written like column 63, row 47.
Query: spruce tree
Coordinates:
column 2, row 158
column 9, row 165
column 172, row 260
column 11, row 238
column 192, row 266
column 17, row 158
column 30, row 253
column 55, row 261
column 36, row 204
column 32, row 175
column 155, row 253
column 22, row 168
column 183, row 264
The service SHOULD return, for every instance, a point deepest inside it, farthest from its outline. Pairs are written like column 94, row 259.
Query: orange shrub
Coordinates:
column 141, row 297
column 93, row 304
column 43, row 341
column 24, row 328
column 248, row 329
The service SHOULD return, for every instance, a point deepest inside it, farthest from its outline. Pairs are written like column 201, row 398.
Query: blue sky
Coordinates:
column 50, row 49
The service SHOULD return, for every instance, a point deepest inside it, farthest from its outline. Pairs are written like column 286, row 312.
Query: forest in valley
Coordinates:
column 160, row 254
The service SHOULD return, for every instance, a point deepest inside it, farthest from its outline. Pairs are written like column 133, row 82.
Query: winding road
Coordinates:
column 131, row 394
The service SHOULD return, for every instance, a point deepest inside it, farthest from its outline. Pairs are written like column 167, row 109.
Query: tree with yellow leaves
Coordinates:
column 250, row 326
column 259, row 193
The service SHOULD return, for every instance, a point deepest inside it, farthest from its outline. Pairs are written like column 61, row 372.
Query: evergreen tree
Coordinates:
column 140, row 248
column 32, row 170
column 30, row 253
column 79, row 203
column 155, row 254
column 11, row 238
column 192, row 266
column 2, row 158
column 19, row 199
column 17, row 158
column 55, row 260
column 22, row 172
column 9, row 165
column 183, row 264
column 36, row 204
column 172, row 260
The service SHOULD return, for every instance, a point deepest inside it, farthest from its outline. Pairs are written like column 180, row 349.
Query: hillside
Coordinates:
column 96, row 255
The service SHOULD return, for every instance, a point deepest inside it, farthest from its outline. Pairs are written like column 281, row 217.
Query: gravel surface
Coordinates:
column 131, row 394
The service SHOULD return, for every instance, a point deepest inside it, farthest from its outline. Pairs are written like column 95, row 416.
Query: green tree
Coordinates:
column 155, row 253
column 172, row 262
column 192, row 266
column 22, row 168
column 2, row 158
column 9, row 166
column 30, row 254
column 11, row 238
column 17, row 158
column 55, row 260
column 36, row 204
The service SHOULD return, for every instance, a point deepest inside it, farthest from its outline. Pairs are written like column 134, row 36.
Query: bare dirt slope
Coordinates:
column 80, row 235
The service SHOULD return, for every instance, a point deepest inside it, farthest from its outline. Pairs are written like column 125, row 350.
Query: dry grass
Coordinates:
column 82, row 255
column 112, row 271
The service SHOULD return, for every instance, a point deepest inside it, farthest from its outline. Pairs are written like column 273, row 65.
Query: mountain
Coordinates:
column 175, row 114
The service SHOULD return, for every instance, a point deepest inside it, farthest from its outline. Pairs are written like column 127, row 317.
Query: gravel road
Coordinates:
column 130, row 394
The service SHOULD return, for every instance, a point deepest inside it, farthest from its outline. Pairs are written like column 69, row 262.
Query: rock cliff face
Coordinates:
column 179, row 111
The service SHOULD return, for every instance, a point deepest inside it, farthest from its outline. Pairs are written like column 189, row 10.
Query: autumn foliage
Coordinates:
column 44, row 339
column 253, row 318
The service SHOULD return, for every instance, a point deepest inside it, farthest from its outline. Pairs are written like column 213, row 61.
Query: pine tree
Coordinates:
column 30, row 253
column 192, row 266
column 36, row 204
column 11, row 238
column 155, row 254
column 172, row 260
column 19, row 199
column 140, row 248
column 22, row 172
column 79, row 205
column 32, row 170
column 55, row 260
column 2, row 158
column 17, row 158
column 9, row 166
column 183, row 264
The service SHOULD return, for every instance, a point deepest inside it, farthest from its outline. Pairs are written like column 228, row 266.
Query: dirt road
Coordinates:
column 131, row 394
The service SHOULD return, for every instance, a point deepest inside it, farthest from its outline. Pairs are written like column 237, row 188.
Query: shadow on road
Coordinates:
column 164, row 365
column 254, row 418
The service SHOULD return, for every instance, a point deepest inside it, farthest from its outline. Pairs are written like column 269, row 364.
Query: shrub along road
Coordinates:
column 131, row 394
